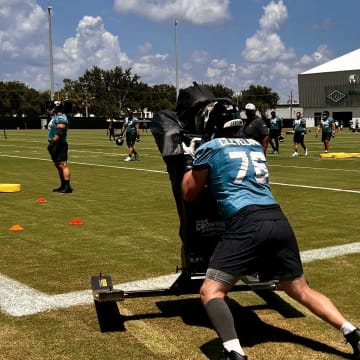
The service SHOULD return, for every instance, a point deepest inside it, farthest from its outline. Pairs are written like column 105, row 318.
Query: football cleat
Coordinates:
column 232, row 355
column 65, row 190
column 354, row 340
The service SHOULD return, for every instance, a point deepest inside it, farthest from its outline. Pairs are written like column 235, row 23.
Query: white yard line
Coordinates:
column 17, row 299
column 317, row 187
column 165, row 172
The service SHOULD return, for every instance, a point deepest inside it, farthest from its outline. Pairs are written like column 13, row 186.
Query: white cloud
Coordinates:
column 145, row 48
column 197, row 12
column 200, row 56
column 22, row 32
column 153, row 67
column 266, row 43
column 24, row 46
column 318, row 57
column 265, row 60
column 220, row 63
column 274, row 15
column 91, row 46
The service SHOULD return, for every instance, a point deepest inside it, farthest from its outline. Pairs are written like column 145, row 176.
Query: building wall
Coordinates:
column 338, row 92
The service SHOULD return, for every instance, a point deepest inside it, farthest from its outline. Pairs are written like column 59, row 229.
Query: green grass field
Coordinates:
column 130, row 231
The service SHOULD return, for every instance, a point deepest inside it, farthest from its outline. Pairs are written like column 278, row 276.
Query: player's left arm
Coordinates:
column 193, row 182
column 137, row 127
column 333, row 129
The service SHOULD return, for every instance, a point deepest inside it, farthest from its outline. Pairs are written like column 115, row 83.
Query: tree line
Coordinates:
column 108, row 93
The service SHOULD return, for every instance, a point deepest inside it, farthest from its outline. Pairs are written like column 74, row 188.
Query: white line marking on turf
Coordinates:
column 89, row 164
column 316, row 187
column 165, row 172
column 313, row 168
column 17, row 299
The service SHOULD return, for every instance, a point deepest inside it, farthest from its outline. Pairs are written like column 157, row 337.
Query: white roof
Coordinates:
column 349, row 61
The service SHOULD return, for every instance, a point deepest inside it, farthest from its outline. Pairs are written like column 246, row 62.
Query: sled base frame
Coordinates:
column 185, row 284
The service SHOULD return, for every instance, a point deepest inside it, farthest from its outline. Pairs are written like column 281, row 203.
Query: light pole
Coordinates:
column 238, row 93
column 176, row 59
column 86, row 99
column 51, row 56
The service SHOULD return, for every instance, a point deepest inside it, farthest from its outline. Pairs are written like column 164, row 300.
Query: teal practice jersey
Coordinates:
column 238, row 173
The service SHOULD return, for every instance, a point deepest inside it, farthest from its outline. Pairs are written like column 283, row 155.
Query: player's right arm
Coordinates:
column 193, row 182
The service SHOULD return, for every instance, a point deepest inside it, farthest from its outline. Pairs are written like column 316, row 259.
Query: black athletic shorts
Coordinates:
column 59, row 152
column 274, row 133
column 258, row 239
column 299, row 137
column 130, row 139
column 326, row 136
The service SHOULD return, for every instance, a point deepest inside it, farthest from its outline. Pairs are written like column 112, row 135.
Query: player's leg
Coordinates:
column 212, row 294
column 322, row 306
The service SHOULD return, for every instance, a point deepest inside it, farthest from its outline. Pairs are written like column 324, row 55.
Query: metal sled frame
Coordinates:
column 185, row 284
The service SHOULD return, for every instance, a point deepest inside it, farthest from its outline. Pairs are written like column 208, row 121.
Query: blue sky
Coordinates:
column 232, row 42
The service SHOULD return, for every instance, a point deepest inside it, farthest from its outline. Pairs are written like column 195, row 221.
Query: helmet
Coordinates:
column 250, row 106
column 119, row 141
column 220, row 114
column 55, row 106
column 325, row 114
column 59, row 106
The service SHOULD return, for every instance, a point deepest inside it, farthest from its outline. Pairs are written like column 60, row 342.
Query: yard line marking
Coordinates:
column 313, row 168
column 316, row 187
column 165, row 172
column 329, row 252
column 90, row 164
column 17, row 299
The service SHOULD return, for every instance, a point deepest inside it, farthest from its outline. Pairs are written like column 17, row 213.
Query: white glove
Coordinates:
column 190, row 150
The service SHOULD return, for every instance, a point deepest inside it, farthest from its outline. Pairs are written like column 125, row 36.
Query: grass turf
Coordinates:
column 130, row 231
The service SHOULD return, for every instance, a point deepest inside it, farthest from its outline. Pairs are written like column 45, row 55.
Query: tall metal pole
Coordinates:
column 176, row 60
column 291, row 104
column 51, row 55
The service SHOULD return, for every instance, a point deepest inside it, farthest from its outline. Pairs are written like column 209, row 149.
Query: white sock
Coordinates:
column 347, row 328
column 234, row 345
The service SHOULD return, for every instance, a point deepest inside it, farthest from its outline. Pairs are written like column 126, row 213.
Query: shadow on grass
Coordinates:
column 252, row 331
column 250, row 328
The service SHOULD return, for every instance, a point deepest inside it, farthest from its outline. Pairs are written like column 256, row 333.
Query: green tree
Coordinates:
column 17, row 99
column 162, row 97
column 220, row 91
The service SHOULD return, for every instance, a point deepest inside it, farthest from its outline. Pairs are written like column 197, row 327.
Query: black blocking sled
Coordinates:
column 200, row 222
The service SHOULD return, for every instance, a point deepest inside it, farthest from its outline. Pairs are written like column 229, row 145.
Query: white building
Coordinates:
column 333, row 86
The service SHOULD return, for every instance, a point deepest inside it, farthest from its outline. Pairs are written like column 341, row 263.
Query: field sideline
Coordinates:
column 129, row 231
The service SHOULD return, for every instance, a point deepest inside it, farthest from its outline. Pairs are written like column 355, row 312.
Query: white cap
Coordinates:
column 233, row 123
column 250, row 106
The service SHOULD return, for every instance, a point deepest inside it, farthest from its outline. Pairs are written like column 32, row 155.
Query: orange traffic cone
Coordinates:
column 41, row 200
column 16, row 227
column 76, row 222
